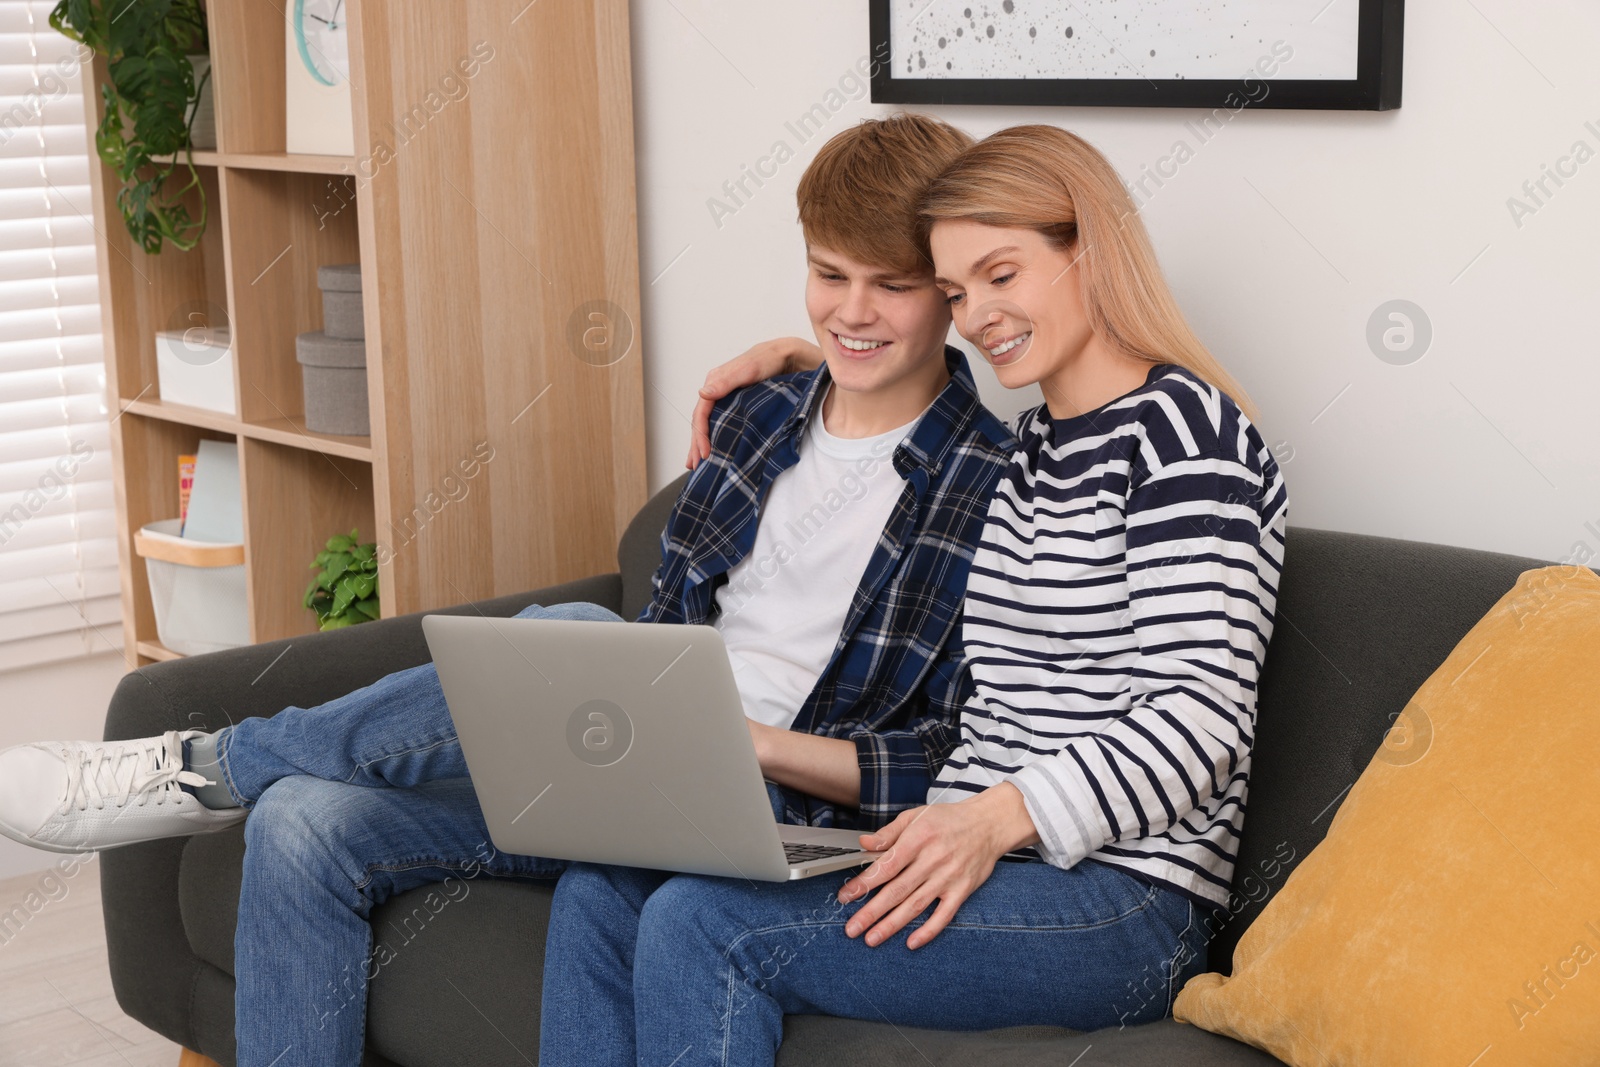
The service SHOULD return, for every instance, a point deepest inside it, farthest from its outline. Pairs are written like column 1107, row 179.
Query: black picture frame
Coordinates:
column 1376, row 87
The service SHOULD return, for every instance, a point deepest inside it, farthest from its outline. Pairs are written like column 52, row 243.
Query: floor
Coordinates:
column 56, row 1006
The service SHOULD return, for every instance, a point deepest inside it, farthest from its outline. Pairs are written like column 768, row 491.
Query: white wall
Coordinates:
column 1281, row 236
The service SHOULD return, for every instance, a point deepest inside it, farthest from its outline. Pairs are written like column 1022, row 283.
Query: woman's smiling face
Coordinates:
column 1014, row 295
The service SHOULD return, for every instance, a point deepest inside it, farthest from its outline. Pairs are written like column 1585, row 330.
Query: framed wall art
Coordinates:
column 1328, row 54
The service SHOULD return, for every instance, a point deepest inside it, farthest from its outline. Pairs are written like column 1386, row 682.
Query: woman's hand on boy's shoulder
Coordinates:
column 783, row 355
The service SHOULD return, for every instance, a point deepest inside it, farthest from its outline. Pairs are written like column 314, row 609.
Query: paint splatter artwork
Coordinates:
column 1152, row 40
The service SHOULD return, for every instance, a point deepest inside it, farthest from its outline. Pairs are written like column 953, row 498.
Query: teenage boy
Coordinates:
column 828, row 537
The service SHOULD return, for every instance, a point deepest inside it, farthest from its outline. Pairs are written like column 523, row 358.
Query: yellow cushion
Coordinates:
column 1452, row 914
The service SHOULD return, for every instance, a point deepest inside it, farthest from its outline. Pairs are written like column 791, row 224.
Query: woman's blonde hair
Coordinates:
column 1044, row 179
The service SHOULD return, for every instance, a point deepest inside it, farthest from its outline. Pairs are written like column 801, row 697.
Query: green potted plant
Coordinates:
column 149, row 113
column 345, row 590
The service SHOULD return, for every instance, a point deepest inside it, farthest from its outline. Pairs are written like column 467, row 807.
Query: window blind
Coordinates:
column 59, row 590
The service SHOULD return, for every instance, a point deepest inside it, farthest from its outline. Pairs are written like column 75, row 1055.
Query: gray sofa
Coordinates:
column 1362, row 621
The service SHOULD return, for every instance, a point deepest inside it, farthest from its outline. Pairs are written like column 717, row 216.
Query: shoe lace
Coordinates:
column 121, row 773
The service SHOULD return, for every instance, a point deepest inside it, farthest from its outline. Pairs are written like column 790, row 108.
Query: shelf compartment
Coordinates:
column 151, row 447
column 282, row 226
column 247, row 58
column 173, row 290
column 294, row 501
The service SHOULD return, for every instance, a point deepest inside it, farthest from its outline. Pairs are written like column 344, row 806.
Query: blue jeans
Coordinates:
column 646, row 967
column 325, row 842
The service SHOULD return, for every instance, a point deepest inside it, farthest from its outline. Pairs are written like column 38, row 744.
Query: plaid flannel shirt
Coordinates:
column 897, row 679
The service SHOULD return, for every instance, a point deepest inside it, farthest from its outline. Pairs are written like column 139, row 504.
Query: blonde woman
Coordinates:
column 1083, row 830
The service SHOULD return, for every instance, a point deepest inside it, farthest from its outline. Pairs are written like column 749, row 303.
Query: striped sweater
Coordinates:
column 1118, row 609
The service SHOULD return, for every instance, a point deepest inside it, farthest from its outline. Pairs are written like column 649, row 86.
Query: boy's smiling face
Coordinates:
column 877, row 328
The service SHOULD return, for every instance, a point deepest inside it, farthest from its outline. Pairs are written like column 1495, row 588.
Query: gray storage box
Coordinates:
column 333, row 373
column 341, row 301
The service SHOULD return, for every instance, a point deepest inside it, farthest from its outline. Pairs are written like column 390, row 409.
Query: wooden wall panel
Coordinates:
column 511, row 123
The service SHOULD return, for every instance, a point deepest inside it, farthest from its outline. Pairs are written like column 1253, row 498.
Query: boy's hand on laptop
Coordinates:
column 824, row 767
column 785, row 355
column 940, row 852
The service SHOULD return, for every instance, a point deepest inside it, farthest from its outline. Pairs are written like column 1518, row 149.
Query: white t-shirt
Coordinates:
column 782, row 608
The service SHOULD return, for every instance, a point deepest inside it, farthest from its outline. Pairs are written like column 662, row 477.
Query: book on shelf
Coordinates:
column 185, row 484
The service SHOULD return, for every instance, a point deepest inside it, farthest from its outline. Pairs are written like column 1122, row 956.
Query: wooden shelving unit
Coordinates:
column 480, row 239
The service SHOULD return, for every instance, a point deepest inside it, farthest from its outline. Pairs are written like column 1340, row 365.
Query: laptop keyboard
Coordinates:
column 798, row 853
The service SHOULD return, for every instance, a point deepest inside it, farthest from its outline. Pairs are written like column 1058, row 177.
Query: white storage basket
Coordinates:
column 196, row 587
column 196, row 367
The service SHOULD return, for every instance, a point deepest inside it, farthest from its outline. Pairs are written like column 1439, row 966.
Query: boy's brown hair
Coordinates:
column 860, row 195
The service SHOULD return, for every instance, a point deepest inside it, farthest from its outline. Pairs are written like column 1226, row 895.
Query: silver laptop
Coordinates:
column 617, row 742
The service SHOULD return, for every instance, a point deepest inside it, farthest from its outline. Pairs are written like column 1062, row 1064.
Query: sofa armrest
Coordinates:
column 153, row 970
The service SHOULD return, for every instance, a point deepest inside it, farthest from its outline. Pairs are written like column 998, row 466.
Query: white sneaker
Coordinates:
column 80, row 796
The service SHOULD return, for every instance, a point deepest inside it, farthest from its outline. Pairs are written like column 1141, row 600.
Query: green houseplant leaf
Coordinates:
column 148, row 93
column 345, row 589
